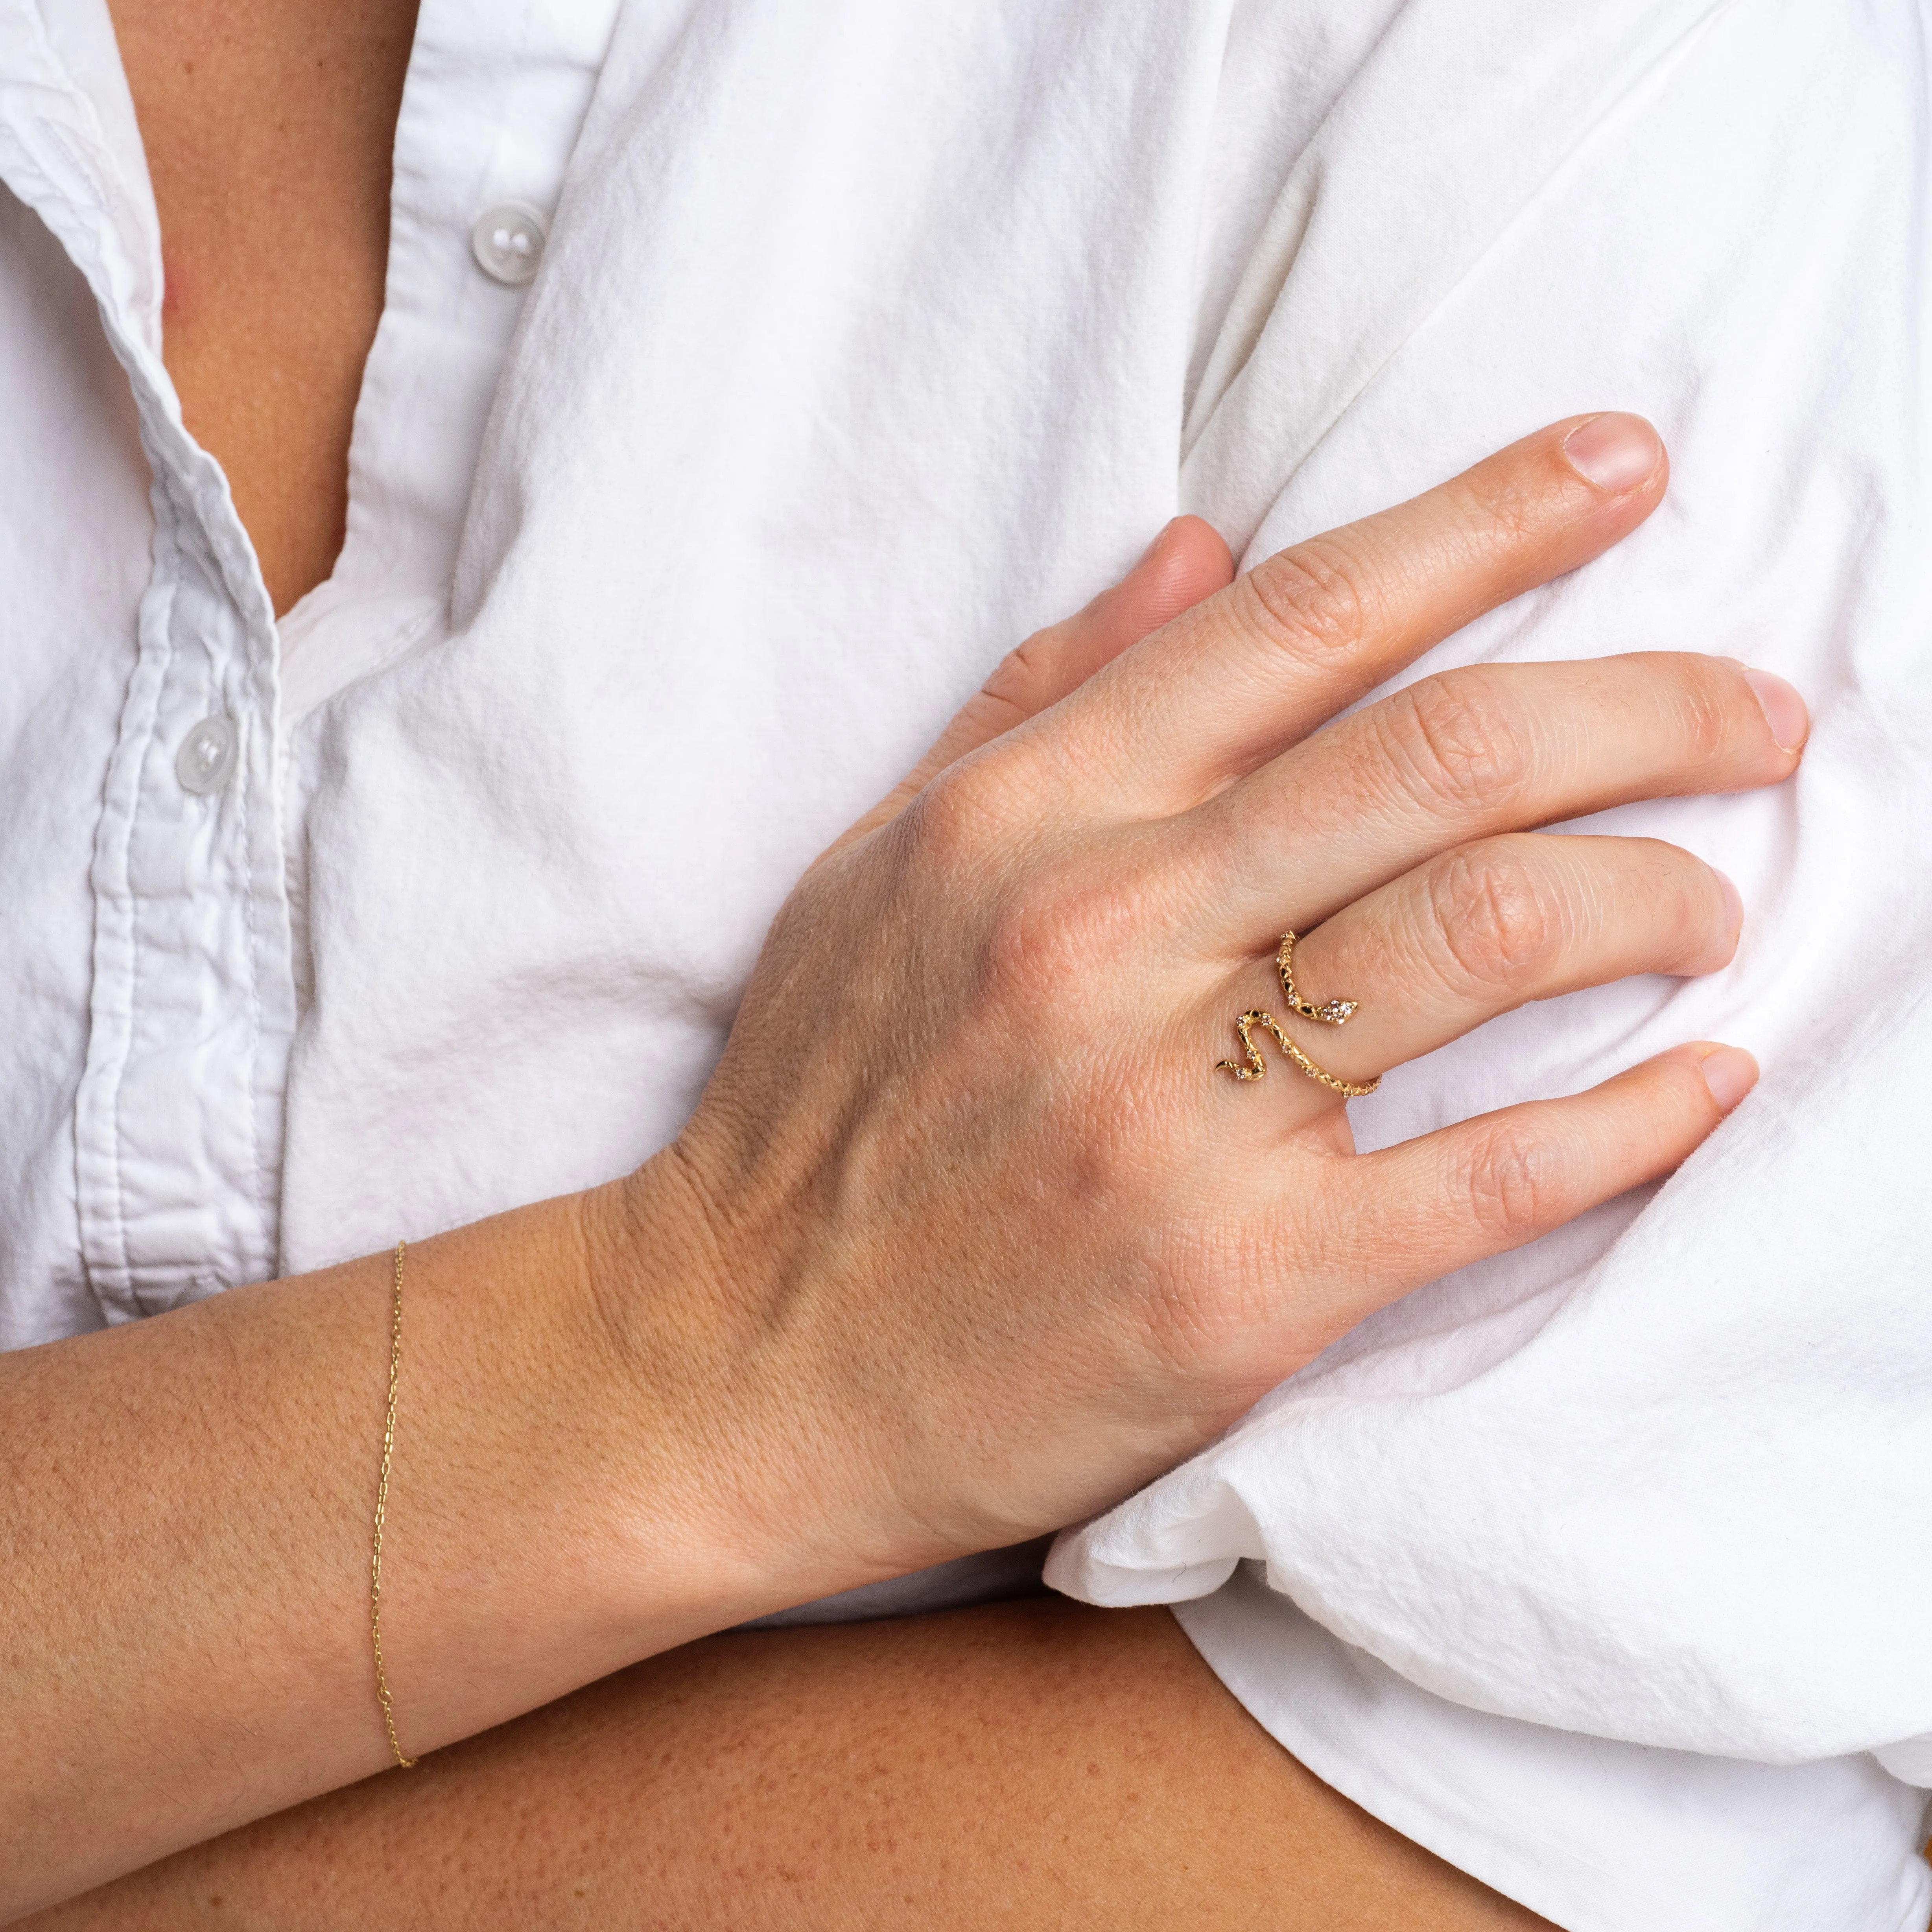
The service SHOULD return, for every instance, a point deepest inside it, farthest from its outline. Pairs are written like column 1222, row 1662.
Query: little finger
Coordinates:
column 1421, row 1209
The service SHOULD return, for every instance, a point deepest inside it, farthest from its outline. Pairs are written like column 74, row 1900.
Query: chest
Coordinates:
column 268, row 128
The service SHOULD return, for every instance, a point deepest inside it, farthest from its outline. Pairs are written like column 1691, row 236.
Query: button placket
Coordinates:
column 177, row 1111
column 178, row 1116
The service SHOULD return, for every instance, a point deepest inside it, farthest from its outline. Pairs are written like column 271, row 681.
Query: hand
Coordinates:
column 968, row 1238
column 1002, row 1242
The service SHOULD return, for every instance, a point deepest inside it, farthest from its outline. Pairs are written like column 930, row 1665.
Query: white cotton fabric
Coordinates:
column 1661, row 1478
column 867, row 339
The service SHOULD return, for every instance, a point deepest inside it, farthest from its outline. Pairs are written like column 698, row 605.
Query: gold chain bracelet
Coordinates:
column 382, row 1505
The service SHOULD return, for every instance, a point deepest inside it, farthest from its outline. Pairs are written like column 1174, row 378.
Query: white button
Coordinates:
column 206, row 760
column 508, row 240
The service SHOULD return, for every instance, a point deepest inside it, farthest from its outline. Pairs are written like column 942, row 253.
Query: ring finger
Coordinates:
column 1487, row 928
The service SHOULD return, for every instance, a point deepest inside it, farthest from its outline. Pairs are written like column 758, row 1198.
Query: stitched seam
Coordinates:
column 251, row 926
column 168, row 558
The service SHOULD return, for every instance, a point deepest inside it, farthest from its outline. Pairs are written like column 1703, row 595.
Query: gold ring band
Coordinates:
column 1330, row 1012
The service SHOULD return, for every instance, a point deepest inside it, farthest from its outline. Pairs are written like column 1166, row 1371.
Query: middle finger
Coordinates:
column 1473, row 752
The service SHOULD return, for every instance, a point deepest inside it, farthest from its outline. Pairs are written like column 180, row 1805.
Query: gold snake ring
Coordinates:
column 1330, row 1012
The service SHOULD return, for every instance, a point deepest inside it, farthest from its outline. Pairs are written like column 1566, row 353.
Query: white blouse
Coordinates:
column 752, row 376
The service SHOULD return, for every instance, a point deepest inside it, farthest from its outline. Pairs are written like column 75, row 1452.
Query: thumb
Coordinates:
column 1187, row 562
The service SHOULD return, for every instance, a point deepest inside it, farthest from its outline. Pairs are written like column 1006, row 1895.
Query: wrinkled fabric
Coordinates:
column 1661, row 1477
column 1665, row 1454
column 867, row 340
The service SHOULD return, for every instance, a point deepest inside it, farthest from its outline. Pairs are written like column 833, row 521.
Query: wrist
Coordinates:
column 750, row 1484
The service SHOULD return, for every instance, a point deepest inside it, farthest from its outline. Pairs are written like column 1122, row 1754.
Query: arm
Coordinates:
column 186, row 1547
column 1037, row 1764
column 966, row 1239
column 185, row 1557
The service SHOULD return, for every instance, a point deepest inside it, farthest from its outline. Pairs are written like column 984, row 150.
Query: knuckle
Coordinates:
column 952, row 820
column 1665, row 876
column 1697, row 711
column 1679, row 892
column 1460, row 743
column 1022, row 683
column 1053, row 936
column 1493, row 918
column 1514, row 1183
column 1713, row 708
column 1509, row 509
column 1316, row 603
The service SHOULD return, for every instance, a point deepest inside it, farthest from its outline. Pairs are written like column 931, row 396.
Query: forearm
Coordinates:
column 186, row 1545
column 1037, row 1764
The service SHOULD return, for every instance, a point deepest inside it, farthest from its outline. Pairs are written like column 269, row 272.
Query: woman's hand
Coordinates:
column 968, row 1236
column 1000, row 1241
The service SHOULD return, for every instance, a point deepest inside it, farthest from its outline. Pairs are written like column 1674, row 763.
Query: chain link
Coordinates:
column 382, row 1508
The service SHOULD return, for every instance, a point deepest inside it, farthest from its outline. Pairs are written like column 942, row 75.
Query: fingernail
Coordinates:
column 1615, row 451
column 1730, row 1073
column 1734, row 903
column 1160, row 537
column 1784, row 710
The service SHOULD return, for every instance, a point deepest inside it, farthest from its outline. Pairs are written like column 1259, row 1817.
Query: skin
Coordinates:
column 268, row 128
column 1036, row 1765
column 563, row 1507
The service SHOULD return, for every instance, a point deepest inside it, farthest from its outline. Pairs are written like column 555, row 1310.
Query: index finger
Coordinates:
column 1261, row 664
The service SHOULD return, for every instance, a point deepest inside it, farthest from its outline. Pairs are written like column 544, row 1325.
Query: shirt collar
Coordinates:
column 70, row 150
